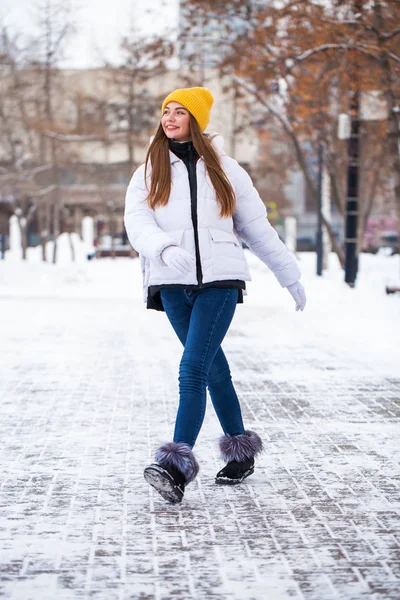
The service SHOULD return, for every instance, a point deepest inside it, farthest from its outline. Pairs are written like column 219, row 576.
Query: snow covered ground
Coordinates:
column 362, row 325
column 88, row 390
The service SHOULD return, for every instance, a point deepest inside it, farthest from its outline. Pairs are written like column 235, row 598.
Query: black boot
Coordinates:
column 235, row 472
column 176, row 466
column 239, row 451
column 168, row 481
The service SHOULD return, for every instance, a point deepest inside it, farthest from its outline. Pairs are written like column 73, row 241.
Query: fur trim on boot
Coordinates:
column 180, row 456
column 240, row 447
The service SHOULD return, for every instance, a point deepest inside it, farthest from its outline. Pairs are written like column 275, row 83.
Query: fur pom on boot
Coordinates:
column 180, row 456
column 240, row 447
column 176, row 467
column 239, row 452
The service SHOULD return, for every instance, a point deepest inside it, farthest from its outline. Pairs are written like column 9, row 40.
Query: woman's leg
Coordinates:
column 201, row 319
column 238, row 446
column 223, row 395
column 175, row 465
column 211, row 315
column 178, row 309
column 219, row 381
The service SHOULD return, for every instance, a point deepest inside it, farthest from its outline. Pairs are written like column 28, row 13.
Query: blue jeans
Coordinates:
column 201, row 319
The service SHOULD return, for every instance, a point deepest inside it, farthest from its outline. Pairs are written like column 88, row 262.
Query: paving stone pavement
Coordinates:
column 88, row 390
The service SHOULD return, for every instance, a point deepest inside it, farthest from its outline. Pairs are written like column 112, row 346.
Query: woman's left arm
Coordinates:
column 252, row 225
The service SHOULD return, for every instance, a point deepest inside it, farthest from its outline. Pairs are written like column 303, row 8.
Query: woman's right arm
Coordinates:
column 143, row 232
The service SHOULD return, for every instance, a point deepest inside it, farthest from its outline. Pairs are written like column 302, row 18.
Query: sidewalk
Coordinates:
column 88, row 390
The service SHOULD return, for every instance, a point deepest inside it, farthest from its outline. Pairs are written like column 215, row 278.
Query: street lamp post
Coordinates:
column 319, row 245
column 351, row 257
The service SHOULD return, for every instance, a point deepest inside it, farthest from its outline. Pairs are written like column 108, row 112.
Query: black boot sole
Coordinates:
column 162, row 481
column 230, row 481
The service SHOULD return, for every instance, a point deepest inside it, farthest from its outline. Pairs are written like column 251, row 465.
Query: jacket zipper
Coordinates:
column 193, row 206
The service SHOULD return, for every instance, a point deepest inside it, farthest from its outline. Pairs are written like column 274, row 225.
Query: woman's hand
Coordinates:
column 177, row 258
column 298, row 294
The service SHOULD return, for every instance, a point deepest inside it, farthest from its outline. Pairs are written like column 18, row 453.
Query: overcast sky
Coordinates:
column 100, row 23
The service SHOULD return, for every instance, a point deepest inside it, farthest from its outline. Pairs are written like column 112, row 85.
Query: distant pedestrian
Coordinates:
column 187, row 210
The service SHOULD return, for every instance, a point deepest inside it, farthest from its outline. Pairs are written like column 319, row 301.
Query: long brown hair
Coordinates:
column 158, row 157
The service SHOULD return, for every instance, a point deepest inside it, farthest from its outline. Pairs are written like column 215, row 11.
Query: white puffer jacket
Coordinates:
column 222, row 257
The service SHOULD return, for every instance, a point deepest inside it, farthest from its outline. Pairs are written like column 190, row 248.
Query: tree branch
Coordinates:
column 388, row 36
column 299, row 155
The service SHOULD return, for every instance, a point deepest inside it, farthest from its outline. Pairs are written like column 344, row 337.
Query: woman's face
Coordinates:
column 175, row 122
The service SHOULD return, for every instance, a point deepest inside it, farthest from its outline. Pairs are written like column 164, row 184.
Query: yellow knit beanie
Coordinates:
column 198, row 101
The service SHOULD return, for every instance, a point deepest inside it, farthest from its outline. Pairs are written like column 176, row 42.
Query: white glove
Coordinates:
column 177, row 258
column 298, row 293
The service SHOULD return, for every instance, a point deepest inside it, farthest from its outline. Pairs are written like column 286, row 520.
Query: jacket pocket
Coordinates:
column 227, row 255
column 220, row 236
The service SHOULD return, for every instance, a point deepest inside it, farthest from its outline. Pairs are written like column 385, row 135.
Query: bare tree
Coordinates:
column 55, row 26
column 299, row 63
column 132, row 111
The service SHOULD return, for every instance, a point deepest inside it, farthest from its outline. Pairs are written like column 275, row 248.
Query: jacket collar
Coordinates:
column 216, row 139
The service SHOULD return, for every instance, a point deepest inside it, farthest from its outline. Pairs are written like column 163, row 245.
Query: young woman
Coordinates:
column 187, row 210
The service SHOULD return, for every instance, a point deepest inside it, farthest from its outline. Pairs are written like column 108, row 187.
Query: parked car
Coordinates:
column 104, row 248
column 305, row 244
column 389, row 243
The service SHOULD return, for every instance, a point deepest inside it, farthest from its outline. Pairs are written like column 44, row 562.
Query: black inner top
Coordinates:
column 186, row 152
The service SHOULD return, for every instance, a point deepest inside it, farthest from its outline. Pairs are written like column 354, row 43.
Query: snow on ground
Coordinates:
column 88, row 390
column 360, row 324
